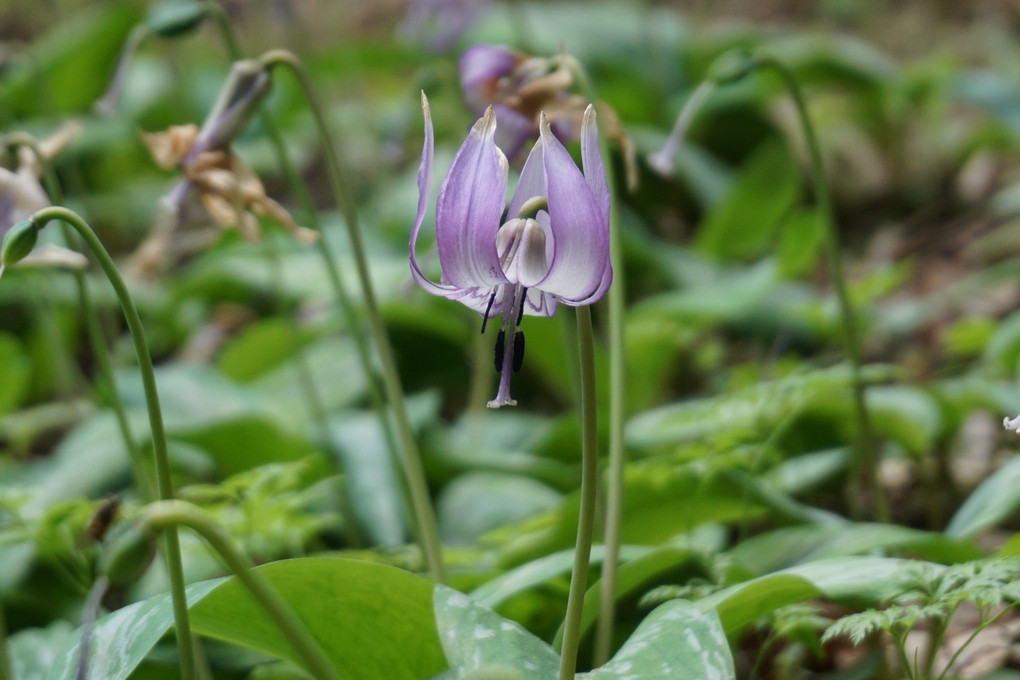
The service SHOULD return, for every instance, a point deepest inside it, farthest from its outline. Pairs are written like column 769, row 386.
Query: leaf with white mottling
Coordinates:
column 123, row 639
column 32, row 651
column 478, row 642
column 675, row 642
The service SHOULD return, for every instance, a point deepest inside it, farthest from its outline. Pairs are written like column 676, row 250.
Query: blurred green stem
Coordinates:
column 864, row 491
column 167, row 515
column 311, row 217
column 164, row 484
column 617, row 403
column 311, row 394
column 428, row 535
column 5, row 661
column 142, row 471
column 866, row 488
column 589, row 485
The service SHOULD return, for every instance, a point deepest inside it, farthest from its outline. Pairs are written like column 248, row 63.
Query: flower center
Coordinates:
column 520, row 244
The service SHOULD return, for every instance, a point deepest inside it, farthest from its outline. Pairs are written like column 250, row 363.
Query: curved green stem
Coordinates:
column 617, row 406
column 589, row 484
column 215, row 11
column 5, row 663
column 167, row 515
column 164, row 484
column 428, row 535
column 869, row 488
column 142, row 472
column 865, row 485
column 347, row 308
column 311, row 393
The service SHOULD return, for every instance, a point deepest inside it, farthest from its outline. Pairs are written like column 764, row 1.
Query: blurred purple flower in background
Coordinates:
column 437, row 24
column 553, row 248
column 519, row 87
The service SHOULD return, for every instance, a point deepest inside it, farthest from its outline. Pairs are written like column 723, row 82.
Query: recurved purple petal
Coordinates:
column 424, row 182
column 469, row 209
column 591, row 161
column 607, row 280
column 478, row 299
column 579, row 226
column 539, row 303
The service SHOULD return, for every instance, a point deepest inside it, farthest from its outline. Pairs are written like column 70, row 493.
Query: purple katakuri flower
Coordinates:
column 554, row 246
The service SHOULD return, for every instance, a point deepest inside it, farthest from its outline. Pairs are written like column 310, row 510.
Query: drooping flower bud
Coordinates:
column 19, row 242
column 242, row 93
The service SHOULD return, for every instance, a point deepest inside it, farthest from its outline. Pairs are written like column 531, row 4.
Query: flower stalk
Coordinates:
column 171, row 545
column 864, row 483
column 139, row 465
column 589, row 484
column 426, row 530
column 868, row 487
column 166, row 516
column 617, row 408
column 176, row 23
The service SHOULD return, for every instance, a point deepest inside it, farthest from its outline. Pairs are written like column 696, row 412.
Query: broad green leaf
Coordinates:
column 744, row 223
column 807, row 471
column 190, row 396
column 258, row 348
column 33, row 650
column 358, row 611
column 354, row 609
column 337, row 375
column 741, row 604
column 243, row 443
column 121, row 640
column 992, row 501
column 760, row 407
column 15, row 370
column 856, row 579
column 800, row 238
column 906, row 414
column 661, row 501
column 89, row 460
column 677, row 641
column 69, row 67
column 543, row 570
column 733, row 294
column 475, row 503
column 807, row 543
column 636, row 574
column 370, row 479
column 476, row 638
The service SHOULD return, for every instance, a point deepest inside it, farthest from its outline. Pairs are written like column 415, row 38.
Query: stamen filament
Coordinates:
column 488, row 308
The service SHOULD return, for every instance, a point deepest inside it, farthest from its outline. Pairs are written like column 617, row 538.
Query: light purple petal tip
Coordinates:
column 424, row 181
column 579, row 226
column 469, row 209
